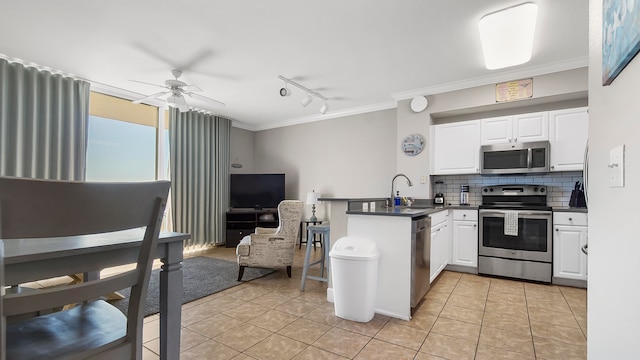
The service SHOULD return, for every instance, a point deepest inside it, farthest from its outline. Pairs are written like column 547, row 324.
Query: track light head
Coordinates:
column 285, row 92
column 324, row 108
column 306, row 100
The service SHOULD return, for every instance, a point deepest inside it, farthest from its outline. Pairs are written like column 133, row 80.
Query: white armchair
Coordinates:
column 272, row 247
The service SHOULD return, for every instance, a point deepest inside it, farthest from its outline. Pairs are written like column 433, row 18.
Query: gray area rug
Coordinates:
column 202, row 276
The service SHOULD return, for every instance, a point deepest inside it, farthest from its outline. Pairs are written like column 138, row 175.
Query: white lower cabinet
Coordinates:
column 569, row 236
column 465, row 238
column 440, row 243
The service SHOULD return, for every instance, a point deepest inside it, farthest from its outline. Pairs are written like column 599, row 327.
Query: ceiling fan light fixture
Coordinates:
column 178, row 101
column 507, row 36
column 176, row 89
column 171, row 100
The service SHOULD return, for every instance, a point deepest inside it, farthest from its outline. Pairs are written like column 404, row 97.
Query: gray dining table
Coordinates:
column 28, row 260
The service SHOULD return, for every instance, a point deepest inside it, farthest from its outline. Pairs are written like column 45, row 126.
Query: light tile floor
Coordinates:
column 462, row 317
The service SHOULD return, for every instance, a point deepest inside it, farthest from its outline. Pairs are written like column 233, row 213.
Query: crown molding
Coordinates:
column 331, row 115
column 570, row 64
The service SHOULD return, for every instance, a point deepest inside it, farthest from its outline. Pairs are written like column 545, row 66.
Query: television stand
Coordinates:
column 242, row 222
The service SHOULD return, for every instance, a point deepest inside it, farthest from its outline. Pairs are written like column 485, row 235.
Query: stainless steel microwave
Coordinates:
column 515, row 158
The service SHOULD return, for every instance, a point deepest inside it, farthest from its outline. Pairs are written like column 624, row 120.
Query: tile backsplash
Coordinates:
column 559, row 185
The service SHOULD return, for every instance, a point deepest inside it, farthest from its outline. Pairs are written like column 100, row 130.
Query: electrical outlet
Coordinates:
column 423, row 179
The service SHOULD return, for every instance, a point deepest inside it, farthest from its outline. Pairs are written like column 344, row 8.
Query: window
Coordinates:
column 120, row 151
column 123, row 141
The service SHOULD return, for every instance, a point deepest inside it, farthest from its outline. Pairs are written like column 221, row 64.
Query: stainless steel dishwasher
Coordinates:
column 420, row 258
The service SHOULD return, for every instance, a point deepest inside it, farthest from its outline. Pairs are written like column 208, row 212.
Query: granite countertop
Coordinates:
column 569, row 209
column 350, row 199
column 409, row 211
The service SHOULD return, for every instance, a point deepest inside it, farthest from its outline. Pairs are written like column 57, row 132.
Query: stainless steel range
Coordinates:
column 515, row 236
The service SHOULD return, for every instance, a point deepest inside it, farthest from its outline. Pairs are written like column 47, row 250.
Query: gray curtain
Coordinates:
column 199, row 148
column 43, row 123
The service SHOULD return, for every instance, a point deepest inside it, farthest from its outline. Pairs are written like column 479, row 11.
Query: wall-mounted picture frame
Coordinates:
column 620, row 36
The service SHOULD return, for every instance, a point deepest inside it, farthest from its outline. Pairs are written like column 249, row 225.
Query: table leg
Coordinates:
column 171, row 302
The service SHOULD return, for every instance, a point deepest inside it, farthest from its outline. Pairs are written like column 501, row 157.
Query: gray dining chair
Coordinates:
column 94, row 329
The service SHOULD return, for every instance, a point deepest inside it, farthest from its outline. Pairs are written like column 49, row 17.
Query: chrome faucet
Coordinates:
column 393, row 204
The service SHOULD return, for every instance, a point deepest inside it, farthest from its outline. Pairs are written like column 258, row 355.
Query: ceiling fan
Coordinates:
column 176, row 89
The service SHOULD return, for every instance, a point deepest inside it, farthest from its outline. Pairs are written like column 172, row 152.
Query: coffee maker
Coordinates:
column 438, row 198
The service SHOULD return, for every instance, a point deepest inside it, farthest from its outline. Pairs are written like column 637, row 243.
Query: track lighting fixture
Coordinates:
column 306, row 100
column 285, row 90
column 310, row 94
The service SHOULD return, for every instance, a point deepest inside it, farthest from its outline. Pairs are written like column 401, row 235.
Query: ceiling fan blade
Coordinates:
column 153, row 96
column 146, row 83
column 190, row 88
column 204, row 98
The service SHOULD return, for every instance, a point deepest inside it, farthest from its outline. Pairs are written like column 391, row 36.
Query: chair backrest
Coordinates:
column 289, row 215
column 32, row 208
column 3, row 345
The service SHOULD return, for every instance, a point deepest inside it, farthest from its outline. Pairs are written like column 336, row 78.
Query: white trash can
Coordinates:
column 354, row 268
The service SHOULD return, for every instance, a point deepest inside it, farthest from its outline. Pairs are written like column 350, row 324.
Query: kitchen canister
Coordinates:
column 464, row 195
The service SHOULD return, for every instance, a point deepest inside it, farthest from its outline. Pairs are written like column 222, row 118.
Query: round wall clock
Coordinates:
column 413, row 144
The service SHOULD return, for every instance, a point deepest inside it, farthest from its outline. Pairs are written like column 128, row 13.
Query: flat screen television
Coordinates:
column 256, row 191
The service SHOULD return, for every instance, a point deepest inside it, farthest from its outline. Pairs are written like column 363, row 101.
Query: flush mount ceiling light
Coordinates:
column 507, row 36
column 310, row 94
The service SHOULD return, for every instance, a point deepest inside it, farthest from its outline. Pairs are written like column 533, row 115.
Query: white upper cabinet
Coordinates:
column 568, row 133
column 516, row 128
column 496, row 130
column 456, row 148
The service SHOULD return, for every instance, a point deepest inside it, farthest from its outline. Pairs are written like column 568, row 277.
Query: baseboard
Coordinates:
column 569, row 282
column 330, row 295
column 461, row 268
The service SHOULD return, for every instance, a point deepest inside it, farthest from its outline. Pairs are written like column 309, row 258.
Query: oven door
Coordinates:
column 533, row 242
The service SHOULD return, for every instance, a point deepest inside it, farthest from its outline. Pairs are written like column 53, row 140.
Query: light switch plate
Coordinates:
column 616, row 167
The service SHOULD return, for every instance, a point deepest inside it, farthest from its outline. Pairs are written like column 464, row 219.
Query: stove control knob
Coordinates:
column 491, row 189
column 535, row 189
column 541, row 189
column 485, row 190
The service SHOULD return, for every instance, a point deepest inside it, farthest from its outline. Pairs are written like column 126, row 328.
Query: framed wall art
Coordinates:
column 620, row 36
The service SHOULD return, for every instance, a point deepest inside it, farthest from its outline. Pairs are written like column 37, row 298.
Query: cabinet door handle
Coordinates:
column 474, row 225
column 570, row 219
column 557, row 229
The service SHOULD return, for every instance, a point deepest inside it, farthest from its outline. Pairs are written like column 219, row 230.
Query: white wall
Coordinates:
column 614, row 238
column 242, row 149
column 415, row 167
column 353, row 156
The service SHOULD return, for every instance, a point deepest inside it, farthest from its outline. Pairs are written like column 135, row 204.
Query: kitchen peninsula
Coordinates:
column 394, row 232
